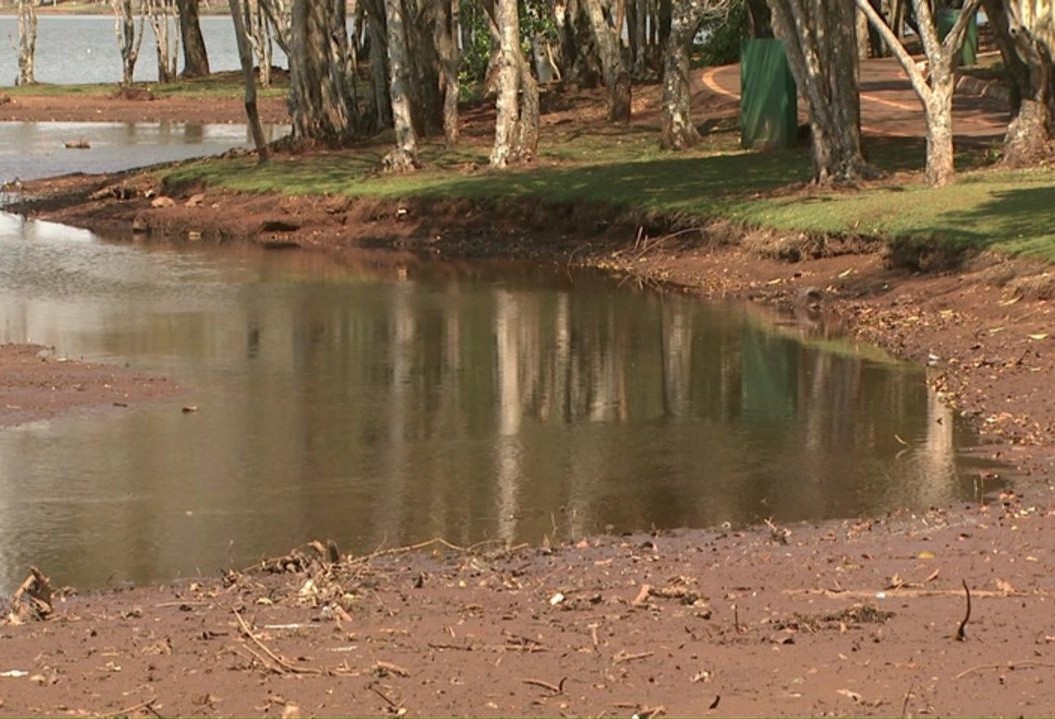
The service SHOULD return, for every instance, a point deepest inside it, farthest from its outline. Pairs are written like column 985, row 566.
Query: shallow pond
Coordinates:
column 379, row 403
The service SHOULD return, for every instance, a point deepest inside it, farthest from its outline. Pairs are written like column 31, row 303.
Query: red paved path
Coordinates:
column 888, row 104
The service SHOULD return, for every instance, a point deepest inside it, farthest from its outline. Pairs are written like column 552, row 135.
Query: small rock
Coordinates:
column 195, row 200
column 159, row 202
column 140, row 225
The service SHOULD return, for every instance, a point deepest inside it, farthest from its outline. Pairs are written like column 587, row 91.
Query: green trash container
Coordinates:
column 946, row 19
column 768, row 97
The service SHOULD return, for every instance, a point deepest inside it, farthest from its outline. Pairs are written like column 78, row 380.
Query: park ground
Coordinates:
column 869, row 616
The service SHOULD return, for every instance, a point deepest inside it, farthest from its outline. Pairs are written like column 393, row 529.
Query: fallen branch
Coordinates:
column 274, row 657
column 961, row 632
column 555, row 688
column 622, row 656
column 1006, row 665
column 390, row 668
column 148, row 705
column 32, row 600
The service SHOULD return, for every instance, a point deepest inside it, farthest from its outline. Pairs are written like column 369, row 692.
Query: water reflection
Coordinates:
column 383, row 402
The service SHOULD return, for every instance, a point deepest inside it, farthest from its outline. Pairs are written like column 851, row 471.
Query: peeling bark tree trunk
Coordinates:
column 678, row 132
column 507, row 83
column 403, row 157
column 161, row 14
column 579, row 63
column 129, row 38
column 822, row 52
column 936, row 89
column 377, row 40
column 245, row 57
column 616, row 73
column 1026, row 34
column 195, row 56
column 319, row 109
column 27, row 42
column 446, row 40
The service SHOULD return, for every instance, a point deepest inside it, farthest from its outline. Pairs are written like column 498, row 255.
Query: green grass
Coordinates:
column 217, row 85
column 1009, row 211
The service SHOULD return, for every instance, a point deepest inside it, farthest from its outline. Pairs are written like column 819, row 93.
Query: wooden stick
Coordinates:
column 961, row 632
column 556, row 689
column 1007, row 665
column 277, row 659
column 623, row 657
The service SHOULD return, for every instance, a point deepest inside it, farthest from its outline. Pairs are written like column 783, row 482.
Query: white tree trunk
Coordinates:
column 507, row 82
column 27, row 41
column 934, row 90
column 403, row 157
column 164, row 23
column 129, row 37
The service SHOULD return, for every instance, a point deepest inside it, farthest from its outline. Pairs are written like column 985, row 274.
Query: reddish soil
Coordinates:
column 864, row 617
column 35, row 384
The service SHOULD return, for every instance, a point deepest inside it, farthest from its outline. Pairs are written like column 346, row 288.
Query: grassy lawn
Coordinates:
column 1010, row 211
column 218, row 85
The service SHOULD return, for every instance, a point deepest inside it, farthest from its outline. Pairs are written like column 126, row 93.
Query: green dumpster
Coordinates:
column 768, row 100
column 946, row 19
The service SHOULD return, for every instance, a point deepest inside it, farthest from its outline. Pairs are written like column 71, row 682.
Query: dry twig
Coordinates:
column 274, row 657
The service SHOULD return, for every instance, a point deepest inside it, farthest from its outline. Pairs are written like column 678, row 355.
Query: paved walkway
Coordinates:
column 889, row 105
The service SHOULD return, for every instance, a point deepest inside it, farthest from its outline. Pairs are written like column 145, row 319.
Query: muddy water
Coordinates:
column 379, row 403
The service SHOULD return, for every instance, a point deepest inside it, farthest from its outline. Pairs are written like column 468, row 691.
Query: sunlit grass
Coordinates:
column 1011, row 211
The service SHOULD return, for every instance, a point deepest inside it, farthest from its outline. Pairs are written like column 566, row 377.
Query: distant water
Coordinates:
column 30, row 150
column 78, row 49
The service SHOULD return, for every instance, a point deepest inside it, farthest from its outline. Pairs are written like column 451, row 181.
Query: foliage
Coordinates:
column 721, row 38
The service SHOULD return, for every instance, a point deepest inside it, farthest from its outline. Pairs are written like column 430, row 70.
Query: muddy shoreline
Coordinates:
column 857, row 617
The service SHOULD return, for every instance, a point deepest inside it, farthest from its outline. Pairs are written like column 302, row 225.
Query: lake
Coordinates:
column 380, row 403
column 81, row 49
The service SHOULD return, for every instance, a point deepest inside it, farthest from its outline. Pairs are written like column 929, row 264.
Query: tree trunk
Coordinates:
column 245, row 57
column 377, row 39
column 507, row 83
column 1032, row 39
column 936, row 89
column 128, row 38
column 447, row 47
column 822, row 53
column 403, row 157
column 579, row 64
column 861, row 28
column 195, row 56
column 424, row 68
column 318, row 108
column 528, row 131
column 678, row 132
column 616, row 74
column 27, row 42
column 166, row 44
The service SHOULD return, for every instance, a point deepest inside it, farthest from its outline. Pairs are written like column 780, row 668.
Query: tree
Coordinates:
column 445, row 38
column 516, row 124
column 161, row 14
column 403, row 157
column 129, row 38
column 935, row 89
column 1025, row 33
column 821, row 44
column 321, row 109
column 678, row 132
column 245, row 57
column 27, row 41
column 606, row 33
column 195, row 56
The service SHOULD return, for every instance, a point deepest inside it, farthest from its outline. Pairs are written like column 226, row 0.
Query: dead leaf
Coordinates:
column 851, row 695
column 1039, row 336
column 642, row 596
column 925, row 554
column 1005, row 587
